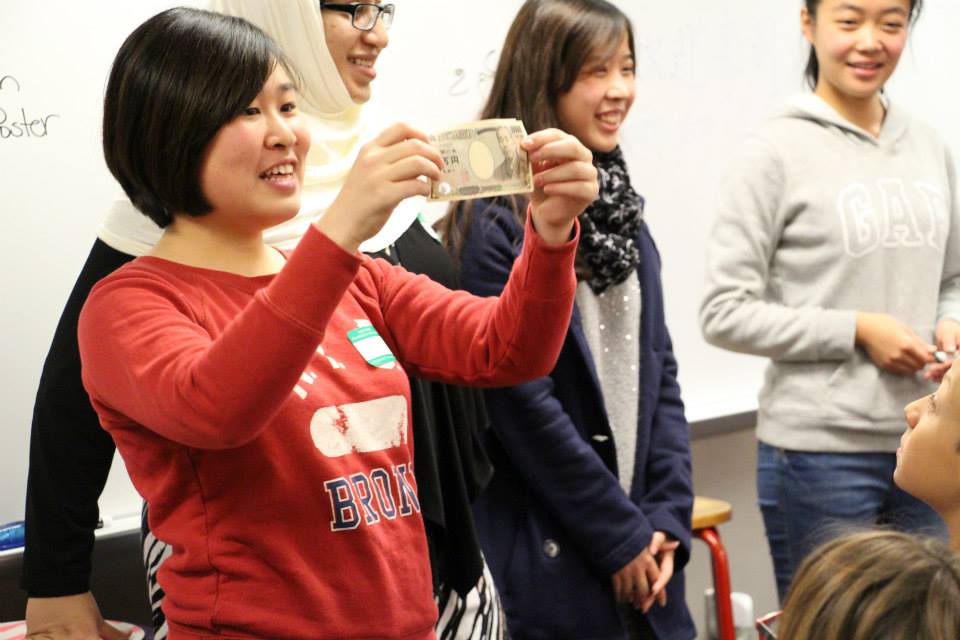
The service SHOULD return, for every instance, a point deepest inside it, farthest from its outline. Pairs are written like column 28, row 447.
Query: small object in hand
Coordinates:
column 944, row 356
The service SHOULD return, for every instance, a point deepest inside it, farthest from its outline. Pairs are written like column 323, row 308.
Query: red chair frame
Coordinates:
column 721, row 582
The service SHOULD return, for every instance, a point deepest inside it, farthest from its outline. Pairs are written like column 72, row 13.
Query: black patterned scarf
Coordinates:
column 608, row 227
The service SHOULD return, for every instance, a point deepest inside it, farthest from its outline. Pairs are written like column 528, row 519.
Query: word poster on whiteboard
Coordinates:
column 15, row 120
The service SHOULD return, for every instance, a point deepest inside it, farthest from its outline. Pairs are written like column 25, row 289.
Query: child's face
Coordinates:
column 253, row 168
column 928, row 461
column 596, row 105
column 858, row 43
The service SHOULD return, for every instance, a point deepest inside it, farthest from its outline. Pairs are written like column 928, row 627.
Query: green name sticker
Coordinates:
column 372, row 347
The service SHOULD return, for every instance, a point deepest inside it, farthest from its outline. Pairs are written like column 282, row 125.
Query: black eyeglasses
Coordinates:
column 363, row 15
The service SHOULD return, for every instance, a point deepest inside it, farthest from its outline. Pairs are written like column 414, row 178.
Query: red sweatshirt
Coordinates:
column 265, row 421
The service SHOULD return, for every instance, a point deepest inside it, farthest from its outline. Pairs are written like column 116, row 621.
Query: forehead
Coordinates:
column 279, row 80
column 948, row 393
column 949, row 382
column 603, row 51
column 866, row 6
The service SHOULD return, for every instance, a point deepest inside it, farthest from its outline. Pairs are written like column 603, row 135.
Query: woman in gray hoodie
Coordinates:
column 836, row 254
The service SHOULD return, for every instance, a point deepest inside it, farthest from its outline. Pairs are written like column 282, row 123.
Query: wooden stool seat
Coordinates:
column 709, row 512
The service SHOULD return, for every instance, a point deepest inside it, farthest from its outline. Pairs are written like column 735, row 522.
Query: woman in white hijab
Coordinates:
column 71, row 455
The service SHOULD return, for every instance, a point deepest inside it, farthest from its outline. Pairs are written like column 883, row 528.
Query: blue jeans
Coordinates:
column 807, row 498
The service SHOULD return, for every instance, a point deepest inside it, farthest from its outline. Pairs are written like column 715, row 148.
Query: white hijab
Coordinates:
column 338, row 129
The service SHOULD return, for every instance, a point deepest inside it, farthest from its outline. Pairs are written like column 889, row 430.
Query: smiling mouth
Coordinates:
column 865, row 66
column 366, row 63
column 278, row 173
column 610, row 120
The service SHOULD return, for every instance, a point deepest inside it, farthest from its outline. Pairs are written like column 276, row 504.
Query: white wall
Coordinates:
column 53, row 192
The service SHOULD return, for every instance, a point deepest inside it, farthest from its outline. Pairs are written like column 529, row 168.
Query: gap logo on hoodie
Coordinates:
column 888, row 213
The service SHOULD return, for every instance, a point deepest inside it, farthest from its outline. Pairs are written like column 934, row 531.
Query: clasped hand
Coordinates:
column 644, row 579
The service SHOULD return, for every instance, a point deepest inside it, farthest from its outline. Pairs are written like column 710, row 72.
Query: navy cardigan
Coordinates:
column 554, row 523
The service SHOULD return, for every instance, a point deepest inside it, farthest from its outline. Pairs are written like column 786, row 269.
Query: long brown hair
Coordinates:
column 875, row 585
column 546, row 47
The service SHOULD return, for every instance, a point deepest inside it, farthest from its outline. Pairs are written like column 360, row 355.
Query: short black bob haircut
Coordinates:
column 177, row 79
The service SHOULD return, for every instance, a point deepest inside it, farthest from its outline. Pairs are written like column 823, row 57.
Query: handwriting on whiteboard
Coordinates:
column 464, row 80
column 15, row 123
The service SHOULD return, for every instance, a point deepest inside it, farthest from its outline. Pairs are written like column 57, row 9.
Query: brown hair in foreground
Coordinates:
column 875, row 585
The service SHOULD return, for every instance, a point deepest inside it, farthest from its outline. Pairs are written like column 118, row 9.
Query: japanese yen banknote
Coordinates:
column 483, row 159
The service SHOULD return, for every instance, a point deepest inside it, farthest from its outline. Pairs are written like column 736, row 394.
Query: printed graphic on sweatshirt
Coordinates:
column 366, row 498
column 892, row 213
column 334, row 363
column 360, row 427
column 368, row 344
column 308, row 377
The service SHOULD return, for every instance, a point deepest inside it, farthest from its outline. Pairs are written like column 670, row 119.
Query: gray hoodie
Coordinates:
column 817, row 220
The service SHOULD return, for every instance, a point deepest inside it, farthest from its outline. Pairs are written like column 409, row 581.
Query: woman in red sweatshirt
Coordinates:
column 259, row 399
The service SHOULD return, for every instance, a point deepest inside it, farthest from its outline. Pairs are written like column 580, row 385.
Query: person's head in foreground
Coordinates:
column 928, row 460
column 875, row 585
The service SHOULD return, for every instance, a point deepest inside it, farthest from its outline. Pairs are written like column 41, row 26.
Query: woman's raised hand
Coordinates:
column 564, row 180
column 387, row 170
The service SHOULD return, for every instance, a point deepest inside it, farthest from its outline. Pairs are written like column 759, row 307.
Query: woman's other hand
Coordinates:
column 891, row 344
column 388, row 169
column 632, row 583
column 664, row 550
column 564, row 180
column 947, row 336
column 69, row 618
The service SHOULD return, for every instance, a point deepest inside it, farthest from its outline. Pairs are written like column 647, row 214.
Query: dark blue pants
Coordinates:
column 809, row 497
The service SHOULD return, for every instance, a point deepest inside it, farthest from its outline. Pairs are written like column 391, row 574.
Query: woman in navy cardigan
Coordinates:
column 586, row 524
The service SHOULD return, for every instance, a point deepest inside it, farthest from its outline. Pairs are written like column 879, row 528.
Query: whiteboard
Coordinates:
column 708, row 73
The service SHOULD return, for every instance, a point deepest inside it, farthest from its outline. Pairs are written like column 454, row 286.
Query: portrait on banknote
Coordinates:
column 482, row 159
column 514, row 158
